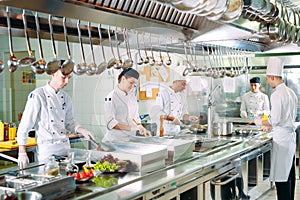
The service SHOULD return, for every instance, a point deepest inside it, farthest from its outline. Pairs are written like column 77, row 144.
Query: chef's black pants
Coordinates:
column 286, row 190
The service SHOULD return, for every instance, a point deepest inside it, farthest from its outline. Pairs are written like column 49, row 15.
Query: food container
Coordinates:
column 222, row 128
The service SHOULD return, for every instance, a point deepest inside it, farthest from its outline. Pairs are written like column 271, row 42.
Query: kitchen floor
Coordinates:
column 271, row 194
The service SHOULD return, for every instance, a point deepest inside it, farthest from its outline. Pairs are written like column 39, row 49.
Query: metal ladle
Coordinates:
column 119, row 63
column 140, row 60
column 27, row 61
column 53, row 65
column 102, row 66
column 146, row 60
column 129, row 62
column 151, row 59
column 161, row 61
column 39, row 66
column 92, row 67
column 113, row 60
column 80, row 68
column 168, row 61
column 13, row 62
column 68, row 65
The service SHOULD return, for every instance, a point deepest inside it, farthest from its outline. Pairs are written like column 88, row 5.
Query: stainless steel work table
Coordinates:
column 202, row 167
column 134, row 186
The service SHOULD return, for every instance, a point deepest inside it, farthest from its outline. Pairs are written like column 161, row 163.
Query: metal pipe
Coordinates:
column 210, row 103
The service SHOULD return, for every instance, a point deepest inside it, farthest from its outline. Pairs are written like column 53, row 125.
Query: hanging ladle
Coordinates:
column 146, row 60
column 39, row 66
column 102, row 66
column 168, row 61
column 160, row 62
column 113, row 60
column 68, row 65
column 53, row 65
column 27, row 61
column 119, row 63
column 151, row 60
column 92, row 67
column 80, row 68
column 140, row 60
column 13, row 62
column 128, row 62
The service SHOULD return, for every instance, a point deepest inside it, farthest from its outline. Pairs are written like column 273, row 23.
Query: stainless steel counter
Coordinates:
column 173, row 179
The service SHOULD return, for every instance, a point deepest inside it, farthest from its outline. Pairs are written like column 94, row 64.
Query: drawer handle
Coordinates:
column 233, row 176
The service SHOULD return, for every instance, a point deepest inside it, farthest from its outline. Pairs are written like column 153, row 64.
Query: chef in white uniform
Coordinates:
column 282, row 124
column 49, row 112
column 172, row 102
column 254, row 102
column 121, row 109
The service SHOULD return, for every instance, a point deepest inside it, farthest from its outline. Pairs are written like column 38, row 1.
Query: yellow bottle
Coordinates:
column 1, row 131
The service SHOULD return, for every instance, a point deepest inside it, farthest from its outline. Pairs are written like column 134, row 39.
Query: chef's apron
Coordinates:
column 176, row 111
column 283, row 151
column 45, row 150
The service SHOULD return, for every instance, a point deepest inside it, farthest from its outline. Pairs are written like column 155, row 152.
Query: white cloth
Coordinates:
column 173, row 104
column 122, row 108
column 50, row 114
column 283, row 114
column 255, row 104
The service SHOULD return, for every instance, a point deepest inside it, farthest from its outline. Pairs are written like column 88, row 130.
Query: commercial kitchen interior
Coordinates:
column 242, row 42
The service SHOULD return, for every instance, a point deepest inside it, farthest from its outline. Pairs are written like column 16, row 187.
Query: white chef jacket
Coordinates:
column 255, row 104
column 283, row 114
column 122, row 108
column 50, row 114
column 173, row 104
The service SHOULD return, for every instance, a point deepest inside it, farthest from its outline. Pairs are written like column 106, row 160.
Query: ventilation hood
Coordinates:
column 145, row 16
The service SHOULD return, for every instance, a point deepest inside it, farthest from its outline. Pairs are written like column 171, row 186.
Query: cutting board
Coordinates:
column 12, row 144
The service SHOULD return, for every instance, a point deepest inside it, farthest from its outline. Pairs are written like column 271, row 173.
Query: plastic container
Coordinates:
column 51, row 167
column 12, row 130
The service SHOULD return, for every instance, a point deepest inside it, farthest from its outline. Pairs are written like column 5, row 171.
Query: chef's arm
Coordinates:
column 22, row 149
column 120, row 126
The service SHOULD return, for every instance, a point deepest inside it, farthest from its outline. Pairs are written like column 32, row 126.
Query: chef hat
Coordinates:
column 275, row 66
column 255, row 80
column 130, row 72
column 178, row 74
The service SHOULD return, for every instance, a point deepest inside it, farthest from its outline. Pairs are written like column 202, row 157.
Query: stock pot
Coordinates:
column 222, row 128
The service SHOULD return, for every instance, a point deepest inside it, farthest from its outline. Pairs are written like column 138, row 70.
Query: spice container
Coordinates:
column 12, row 129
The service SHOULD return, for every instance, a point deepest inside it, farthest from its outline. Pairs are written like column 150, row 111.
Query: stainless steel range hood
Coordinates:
column 145, row 16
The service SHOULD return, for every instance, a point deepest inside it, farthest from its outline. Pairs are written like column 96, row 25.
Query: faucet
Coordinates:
column 210, row 104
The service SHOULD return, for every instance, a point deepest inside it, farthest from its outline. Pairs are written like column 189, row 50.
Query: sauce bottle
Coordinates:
column 1, row 131
column 6, row 132
column 88, row 166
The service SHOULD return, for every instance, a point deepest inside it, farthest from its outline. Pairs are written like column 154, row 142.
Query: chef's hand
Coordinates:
column 258, row 121
column 193, row 118
column 266, row 126
column 23, row 160
column 86, row 134
column 176, row 121
column 144, row 131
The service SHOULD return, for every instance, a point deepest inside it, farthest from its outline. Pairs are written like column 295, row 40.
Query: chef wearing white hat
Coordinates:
column 171, row 102
column 282, row 124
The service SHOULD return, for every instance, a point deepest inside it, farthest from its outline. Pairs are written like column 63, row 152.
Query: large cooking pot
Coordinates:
column 222, row 128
